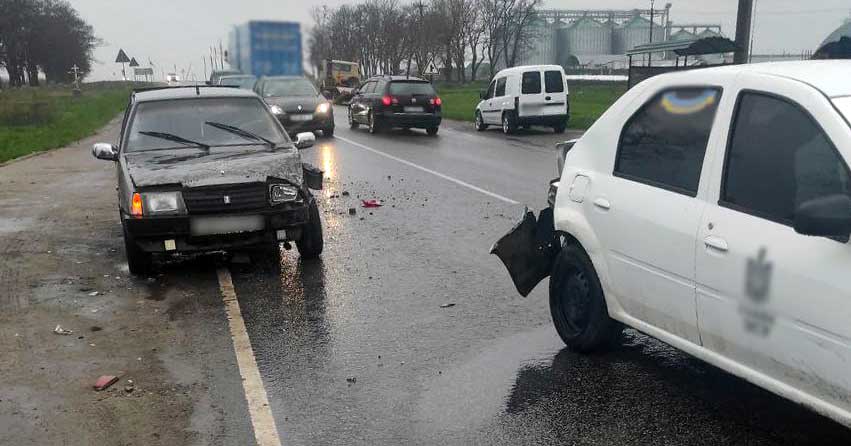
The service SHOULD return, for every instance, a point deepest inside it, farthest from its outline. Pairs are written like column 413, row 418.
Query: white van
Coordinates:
column 525, row 96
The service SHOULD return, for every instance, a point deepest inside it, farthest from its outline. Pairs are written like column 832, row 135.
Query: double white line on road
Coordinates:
column 265, row 431
column 427, row 170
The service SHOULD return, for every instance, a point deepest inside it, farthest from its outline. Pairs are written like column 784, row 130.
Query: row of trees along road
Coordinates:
column 47, row 36
column 391, row 37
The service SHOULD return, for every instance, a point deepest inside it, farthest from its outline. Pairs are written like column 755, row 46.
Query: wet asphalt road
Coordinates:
column 488, row 370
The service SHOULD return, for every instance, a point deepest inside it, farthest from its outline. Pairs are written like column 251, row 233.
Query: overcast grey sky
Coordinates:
column 180, row 32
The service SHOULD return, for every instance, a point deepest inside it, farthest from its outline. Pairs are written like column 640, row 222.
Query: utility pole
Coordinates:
column 204, row 59
column 650, row 55
column 743, row 31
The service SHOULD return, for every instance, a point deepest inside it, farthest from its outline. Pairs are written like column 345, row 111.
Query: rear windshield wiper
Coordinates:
column 174, row 138
column 241, row 132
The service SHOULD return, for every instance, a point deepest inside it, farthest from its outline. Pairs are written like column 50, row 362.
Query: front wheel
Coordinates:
column 328, row 132
column 480, row 122
column 352, row 123
column 431, row 131
column 311, row 243
column 559, row 128
column 577, row 304
column 374, row 126
column 139, row 262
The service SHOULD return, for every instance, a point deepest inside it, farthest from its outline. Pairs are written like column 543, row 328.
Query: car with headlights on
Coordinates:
column 297, row 104
column 204, row 169
column 710, row 209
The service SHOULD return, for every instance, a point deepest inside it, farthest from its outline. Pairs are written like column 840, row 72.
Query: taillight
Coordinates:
column 387, row 100
column 436, row 101
column 136, row 205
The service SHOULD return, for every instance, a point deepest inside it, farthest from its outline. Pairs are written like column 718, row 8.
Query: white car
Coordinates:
column 711, row 209
column 525, row 96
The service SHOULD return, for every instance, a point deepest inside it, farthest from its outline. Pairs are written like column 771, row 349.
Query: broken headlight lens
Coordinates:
column 163, row 203
column 280, row 193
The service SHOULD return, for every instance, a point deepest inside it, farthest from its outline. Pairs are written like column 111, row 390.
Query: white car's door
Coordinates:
column 498, row 102
column 555, row 93
column 531, row 100
column 771, row 299
column 646, row 214
column 487, row 106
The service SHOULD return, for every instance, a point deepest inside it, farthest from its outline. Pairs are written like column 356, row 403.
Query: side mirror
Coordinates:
column 483, row 94
column 327, row 94
column 104, row 151
column 828, row 216
column 305, row 140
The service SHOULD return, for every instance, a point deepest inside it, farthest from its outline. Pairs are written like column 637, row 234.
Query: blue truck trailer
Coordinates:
column 266, row 48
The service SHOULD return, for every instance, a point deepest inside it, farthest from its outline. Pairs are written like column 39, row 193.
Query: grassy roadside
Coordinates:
column 37, row 119
column 588, row 100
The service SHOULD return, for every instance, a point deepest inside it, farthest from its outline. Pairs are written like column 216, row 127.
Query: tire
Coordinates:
column 432, row 131
column 560, row 128
column 352, row 123
column 509, row 124
column 578, row 306
column 311, row 243
column 328, row 132
column 480, row 122
column 139, row 262
column 374, row 126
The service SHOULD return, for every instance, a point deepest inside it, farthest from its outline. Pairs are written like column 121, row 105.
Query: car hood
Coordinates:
column 195, row 167
column 291, row 104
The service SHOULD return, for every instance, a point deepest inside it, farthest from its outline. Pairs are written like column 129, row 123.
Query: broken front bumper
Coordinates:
column 170, row 234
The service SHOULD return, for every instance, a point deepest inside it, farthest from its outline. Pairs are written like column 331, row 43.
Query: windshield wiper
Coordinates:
column 174, row 138
column 241, row 132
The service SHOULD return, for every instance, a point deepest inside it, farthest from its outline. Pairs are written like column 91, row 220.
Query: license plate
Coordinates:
column 302, row 117
column 413, row 109
column 199, row 226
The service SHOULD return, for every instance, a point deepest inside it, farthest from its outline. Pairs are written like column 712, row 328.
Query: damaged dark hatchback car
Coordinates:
column 204, row 169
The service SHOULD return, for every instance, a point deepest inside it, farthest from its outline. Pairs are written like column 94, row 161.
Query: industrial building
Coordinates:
column 600, row 38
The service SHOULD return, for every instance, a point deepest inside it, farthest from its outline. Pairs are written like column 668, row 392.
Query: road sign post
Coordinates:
column 122, row 59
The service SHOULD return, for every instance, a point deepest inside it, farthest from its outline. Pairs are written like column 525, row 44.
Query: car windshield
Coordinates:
column 245, row 82
column 844, row 106
column 187, row 118
column 411, row 88
column 288, row 87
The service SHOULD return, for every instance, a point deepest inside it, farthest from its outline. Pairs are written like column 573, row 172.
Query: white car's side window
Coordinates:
column 664, row 143
column 778, row 159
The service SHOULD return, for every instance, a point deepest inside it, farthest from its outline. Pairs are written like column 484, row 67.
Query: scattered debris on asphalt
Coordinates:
column 353, row 211
column 95, row 328
column 447, row 305
column 61, row 331
column 94, row 293
column 105, row 381
column 371, row 203
column 351, row 380
column 130, row 387
column 345, row 193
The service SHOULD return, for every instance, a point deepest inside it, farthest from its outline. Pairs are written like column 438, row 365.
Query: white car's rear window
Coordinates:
column 844, row 106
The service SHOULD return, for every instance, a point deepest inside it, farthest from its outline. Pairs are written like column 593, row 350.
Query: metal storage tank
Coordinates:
column 636, row 31
column 682, row 35
column 588, row 36
column 561, row 42
column 708, row 33
column 542, row 48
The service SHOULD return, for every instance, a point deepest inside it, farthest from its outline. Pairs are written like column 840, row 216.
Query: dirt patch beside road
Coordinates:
column 62, row 263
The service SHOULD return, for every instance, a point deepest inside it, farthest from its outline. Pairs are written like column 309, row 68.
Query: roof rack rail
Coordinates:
column 166, row 87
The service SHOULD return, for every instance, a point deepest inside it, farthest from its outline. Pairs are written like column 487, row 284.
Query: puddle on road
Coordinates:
column 10, row 225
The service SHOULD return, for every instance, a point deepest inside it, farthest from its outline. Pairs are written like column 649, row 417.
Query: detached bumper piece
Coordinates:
column 529, row 250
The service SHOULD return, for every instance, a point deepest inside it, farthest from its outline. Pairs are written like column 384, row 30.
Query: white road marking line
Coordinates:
column 265, row 431
column 433, row 172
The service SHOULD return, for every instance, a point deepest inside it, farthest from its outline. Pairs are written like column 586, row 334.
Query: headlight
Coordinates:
column 280, row 193
column 276, row 109
column 163, row 203
column 323, row 108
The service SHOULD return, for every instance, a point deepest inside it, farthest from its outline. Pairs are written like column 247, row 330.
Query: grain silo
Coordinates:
column 542, row 45
column 636, row 31
column 588, row 36
column 708, row 33
column 682, row 35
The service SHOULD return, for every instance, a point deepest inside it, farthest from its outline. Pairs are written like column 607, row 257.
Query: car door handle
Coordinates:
column 716, row 243
column 603, row 204
column 548, row 98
